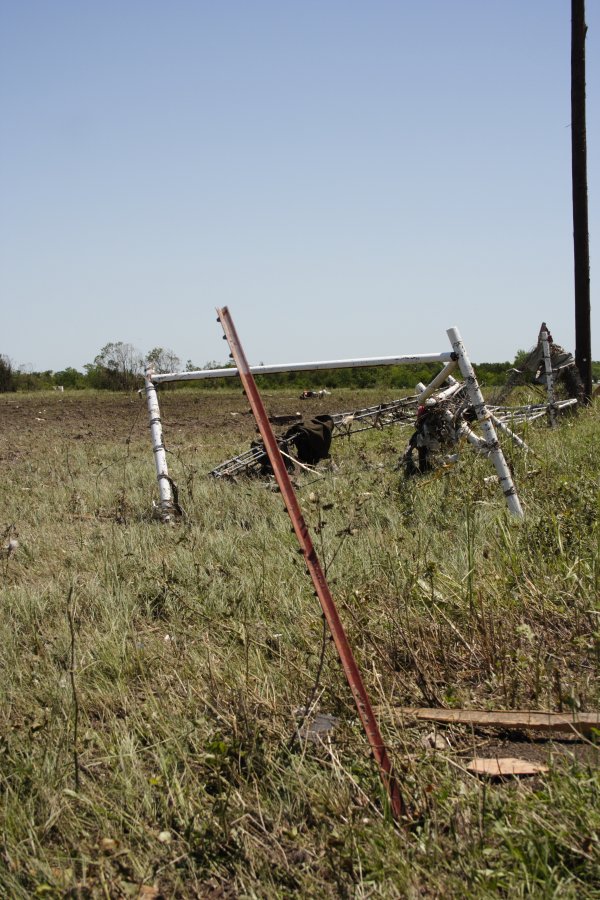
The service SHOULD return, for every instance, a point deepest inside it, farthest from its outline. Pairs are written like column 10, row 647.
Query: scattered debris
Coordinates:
column 10, row 547
column 315, row 729
column 562, row 372
column 311, row 439
column 306, row 395
column 148, row 892
column 441, row 417
column 435, row 741
column 435, row 430
column 250, row 462
column 10, row 541
column 108, row 845
column 440, row 423
column 504, row 767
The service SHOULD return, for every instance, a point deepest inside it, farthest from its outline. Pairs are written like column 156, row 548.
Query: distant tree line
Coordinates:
column 117, row 367
column 120, row 367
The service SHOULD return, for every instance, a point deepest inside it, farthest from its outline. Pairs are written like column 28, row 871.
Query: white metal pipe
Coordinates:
column 439, row 379
column 491, row 439
column 450, row 391
column 308, row 366
column 545, row 339
column 514, row 437
column 442, row 395
column 158, row 447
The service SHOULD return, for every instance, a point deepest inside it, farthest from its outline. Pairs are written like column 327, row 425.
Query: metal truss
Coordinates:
column 397, row 412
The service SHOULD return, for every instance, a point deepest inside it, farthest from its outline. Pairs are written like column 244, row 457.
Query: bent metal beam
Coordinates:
column 231, row 372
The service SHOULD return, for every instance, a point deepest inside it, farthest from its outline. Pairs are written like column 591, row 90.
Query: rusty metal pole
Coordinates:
column 363, row 704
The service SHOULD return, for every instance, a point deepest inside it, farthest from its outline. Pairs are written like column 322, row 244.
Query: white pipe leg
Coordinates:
column 463, row 431
column 158, row 447
column 545, row 339
column 483, row 415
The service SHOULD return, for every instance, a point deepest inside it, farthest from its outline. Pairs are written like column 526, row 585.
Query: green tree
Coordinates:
column 117, row 367
column 70, row 378
column 163, row 360
column 8, row 381
column 520, row 357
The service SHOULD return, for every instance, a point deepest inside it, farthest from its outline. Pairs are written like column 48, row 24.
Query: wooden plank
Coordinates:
column 581, row 723
column 503, row 766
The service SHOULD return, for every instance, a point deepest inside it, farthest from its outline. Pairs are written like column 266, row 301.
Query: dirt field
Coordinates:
column 221, row 417
column 90, row 417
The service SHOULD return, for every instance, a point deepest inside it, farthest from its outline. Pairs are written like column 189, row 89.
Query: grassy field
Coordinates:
column 152, row 675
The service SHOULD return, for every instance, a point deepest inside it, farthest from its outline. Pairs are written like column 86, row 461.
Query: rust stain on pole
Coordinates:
column 363, row 704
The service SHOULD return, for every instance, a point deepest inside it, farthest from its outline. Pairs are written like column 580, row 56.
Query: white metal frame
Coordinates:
column 450, row 360
column 545, row 339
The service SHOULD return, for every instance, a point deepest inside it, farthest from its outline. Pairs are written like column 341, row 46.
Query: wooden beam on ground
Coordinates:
column 581, row 723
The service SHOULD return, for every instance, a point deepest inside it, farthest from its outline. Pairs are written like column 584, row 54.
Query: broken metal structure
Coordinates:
column 344, row 424
column 399, row 411
column 442, row 422
column 547, row 365
column 446, row 416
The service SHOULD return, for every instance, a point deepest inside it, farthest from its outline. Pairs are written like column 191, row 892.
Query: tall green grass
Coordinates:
column 152, row 675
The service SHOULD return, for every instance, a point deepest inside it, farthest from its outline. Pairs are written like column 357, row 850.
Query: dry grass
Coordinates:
column 151, row 674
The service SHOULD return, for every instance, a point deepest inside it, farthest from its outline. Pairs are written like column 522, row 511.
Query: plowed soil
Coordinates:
column 188, row 414
column 98, row 416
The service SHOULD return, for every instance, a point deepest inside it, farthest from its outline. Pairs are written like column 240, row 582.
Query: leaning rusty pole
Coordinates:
column 355, row 682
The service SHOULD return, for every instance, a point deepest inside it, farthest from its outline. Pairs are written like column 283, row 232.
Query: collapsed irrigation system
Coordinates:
column 442, row 414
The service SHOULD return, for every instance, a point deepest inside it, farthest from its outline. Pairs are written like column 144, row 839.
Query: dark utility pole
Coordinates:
column 581, row 243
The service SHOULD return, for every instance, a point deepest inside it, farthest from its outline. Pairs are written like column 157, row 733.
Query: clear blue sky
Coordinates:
column 350, row 178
